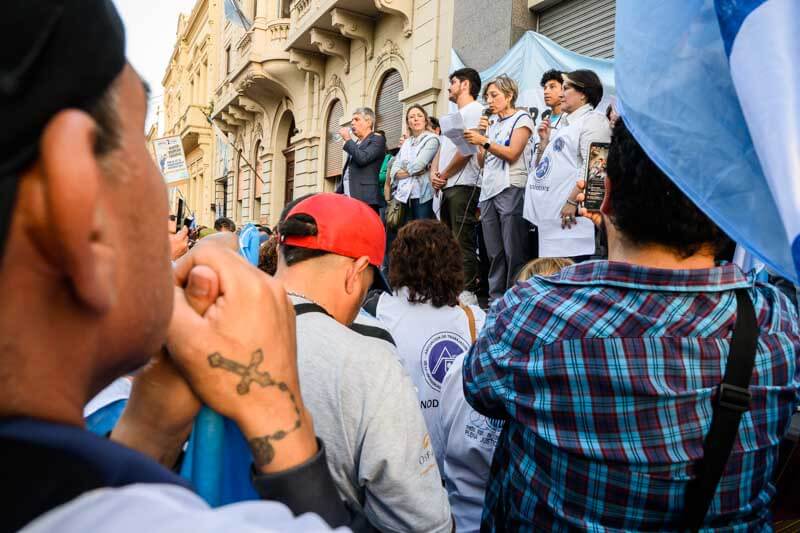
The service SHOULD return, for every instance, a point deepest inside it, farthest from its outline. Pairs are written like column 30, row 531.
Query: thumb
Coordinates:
column 202, row 288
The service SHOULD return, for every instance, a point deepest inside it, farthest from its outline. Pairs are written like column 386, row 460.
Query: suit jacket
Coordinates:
column 364, row 161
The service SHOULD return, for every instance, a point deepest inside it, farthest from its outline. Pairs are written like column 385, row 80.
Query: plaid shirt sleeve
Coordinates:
column 488, row 374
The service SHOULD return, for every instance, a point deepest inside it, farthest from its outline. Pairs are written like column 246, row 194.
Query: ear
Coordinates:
column 72, row 178
column 355, row 274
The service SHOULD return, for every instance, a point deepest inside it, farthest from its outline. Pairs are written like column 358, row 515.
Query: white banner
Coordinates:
column 170, row 158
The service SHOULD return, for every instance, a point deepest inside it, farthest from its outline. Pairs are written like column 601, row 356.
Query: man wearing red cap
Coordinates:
column 362, row 401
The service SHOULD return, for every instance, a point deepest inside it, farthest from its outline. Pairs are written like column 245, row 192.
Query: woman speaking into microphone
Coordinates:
column 503, row 153
column 550, row 195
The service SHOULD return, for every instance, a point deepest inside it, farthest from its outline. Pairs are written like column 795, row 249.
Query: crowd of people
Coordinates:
column 625, row 377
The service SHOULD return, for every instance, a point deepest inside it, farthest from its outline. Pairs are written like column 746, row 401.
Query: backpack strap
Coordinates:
column 309, row 307
column 473, row 334
column 361, row 329
column 733, row 400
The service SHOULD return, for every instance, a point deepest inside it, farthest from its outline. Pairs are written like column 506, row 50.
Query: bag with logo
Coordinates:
column 395, row 214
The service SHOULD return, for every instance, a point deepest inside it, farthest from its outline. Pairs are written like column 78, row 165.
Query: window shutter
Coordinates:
column 333, row 148
column 583, row 26
column 389, row 108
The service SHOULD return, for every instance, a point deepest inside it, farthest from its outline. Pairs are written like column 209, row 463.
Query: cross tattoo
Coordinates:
column 249, row 373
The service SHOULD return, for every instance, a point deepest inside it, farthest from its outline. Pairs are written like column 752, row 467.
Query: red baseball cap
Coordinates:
column 345, row 226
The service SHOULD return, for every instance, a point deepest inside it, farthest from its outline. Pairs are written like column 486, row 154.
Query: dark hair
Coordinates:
column 426, row 258
column 551, row 75
column 104, row 112
column 297, row 226
column 434, row 122
column 381, row 133
column 471, row 75
column 648, row 208
column 226, row 223
column 268, row 256
column 588, row 83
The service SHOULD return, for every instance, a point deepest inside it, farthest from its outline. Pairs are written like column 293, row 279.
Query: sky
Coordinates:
column 150, row 31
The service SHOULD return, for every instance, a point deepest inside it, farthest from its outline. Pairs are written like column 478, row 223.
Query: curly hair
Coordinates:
column 551, row 75
column 268, row 255
column 426, row 258
column 648, row 208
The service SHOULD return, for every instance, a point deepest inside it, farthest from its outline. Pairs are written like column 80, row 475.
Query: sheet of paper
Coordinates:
column 453, row 128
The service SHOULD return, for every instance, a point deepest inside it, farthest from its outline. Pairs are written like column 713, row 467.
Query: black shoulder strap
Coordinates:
column 309, row 307
column 374, row 332
column 361, row 329
column 733, row 399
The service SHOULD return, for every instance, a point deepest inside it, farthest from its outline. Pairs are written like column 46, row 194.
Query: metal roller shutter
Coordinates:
column 333, row 148
column 389, row 108
column 583, row 26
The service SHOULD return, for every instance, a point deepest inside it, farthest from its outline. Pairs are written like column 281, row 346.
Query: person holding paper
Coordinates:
column 457, row 175
column 505, row 156
column 550, row 193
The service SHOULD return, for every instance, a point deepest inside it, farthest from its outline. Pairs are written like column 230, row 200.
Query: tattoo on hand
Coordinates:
column 263, row 451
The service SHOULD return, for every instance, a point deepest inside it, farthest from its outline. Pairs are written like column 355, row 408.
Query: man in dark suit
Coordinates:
column 365, row 152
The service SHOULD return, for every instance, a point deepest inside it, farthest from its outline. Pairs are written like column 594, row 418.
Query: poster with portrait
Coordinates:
column 171, row 159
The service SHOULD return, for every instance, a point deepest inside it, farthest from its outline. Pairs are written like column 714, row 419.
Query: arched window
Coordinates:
column 333, row 147
column 389, row 108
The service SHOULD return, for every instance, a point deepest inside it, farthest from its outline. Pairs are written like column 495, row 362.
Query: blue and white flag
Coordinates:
column 235, row 15
column 711, row 90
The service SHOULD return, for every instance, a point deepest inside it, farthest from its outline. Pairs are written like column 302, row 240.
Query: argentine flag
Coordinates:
column 235, row 15
column 711, row 90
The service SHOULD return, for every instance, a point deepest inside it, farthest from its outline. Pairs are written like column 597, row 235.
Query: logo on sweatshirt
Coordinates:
column 438, row 354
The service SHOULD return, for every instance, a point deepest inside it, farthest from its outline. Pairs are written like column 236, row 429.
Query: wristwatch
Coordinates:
column 486, row 145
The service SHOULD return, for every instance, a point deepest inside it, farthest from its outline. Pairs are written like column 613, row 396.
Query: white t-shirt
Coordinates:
column 365, row 411
column 470, row 439
column 161, row 508
column 428, row 339
column 498, row 174
column 471, row 173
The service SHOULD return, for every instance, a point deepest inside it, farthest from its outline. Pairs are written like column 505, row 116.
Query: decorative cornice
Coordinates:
column 308, row 62
column 401, row 8
column 355, row 26
column 332, row 44
column 390, row 48
column 335, row 83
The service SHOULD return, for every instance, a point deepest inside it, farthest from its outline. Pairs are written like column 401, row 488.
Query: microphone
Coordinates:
column 487, row 112
column 534, row 111
column 546, row 114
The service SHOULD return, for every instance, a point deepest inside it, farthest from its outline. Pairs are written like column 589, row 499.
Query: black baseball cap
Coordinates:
column 54, row 55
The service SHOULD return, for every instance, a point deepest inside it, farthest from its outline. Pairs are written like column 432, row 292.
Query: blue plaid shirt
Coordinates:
column 605, row 374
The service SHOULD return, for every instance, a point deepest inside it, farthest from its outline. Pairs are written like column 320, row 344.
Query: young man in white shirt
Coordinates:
column 457, row 177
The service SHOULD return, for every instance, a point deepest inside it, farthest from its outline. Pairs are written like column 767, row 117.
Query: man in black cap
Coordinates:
column 86, row 301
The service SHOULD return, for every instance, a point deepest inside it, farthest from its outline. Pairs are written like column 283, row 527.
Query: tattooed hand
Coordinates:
column 240, row 358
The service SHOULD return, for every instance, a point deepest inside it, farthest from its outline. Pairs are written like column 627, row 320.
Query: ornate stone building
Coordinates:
column 282, row 78
column 191, row 77
column 292, row 80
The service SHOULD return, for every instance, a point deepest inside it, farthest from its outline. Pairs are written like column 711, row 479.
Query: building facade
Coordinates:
column 189, row 81
column 280, row 77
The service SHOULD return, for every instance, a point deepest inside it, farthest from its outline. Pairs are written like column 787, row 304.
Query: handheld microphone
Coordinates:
column 487, row 112
column 546, row 114
column 534, row 111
